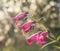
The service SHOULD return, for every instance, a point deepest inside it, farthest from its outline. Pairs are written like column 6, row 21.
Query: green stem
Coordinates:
column 50, row 38
column 48, row 44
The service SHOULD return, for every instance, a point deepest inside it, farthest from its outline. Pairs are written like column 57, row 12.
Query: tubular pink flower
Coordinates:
column 26, row 27
column 38, row 37
column 19, row 17
column 32, row 38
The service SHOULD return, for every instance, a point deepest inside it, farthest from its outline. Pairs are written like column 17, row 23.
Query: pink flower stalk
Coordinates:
column 19, row 17
column 38, row 37
column 26, row 27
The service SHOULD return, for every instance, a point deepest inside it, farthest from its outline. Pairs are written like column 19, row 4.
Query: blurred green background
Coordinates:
column 44, row 12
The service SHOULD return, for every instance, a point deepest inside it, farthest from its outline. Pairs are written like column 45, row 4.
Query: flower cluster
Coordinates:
column 26, row 27
column 39, row 37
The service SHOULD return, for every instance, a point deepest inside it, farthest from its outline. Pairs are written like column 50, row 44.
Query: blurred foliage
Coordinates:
column 44, row 12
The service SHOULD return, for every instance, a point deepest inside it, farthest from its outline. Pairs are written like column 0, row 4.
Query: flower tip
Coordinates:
column 29, row 41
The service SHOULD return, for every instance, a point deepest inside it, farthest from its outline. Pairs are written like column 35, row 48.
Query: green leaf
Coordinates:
column 58, row 47
column 58, row 38
column 48, row 44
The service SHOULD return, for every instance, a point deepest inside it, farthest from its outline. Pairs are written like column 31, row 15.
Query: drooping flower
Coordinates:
column 19, row 17
column 38, row 37
column 26, row 27
column 32, row 38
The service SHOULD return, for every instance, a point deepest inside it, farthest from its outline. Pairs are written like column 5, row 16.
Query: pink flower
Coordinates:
column 42, row 37
column 26, row 27
column 32, row 38
column 38, row 37
column 19, row 17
